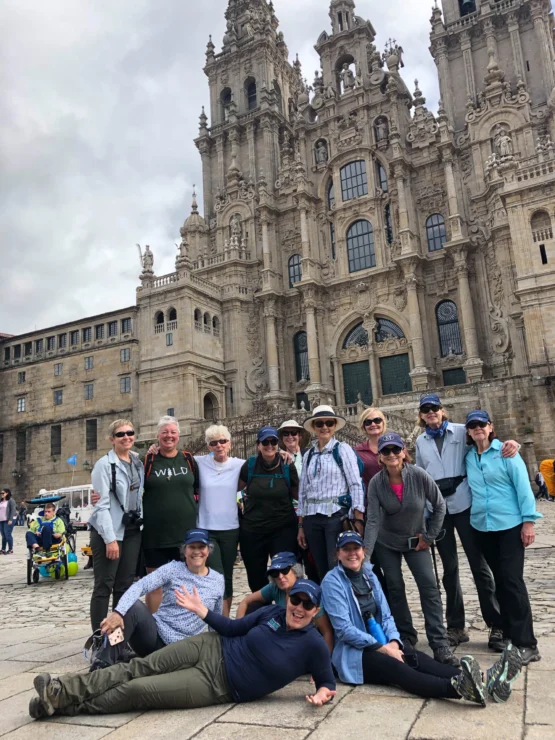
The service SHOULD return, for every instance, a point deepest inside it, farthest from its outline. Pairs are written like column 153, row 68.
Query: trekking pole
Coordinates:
column 433, row 547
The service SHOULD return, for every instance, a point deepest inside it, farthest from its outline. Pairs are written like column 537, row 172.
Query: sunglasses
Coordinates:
column 476, row 424
column 278, row 571
column 216, row 442
column 377, row 420
column 427, row 409
column 307, row 604
column 270, row 442
column 290, row 434
column 391, row 451
column 119, row 435
column 329, row 423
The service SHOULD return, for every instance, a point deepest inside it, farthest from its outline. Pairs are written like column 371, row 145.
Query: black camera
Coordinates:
column 132, row 518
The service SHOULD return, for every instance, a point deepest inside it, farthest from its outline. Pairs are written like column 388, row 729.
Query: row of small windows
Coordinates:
column 207, row 323
column 88, row 393
column 60, row 341
column 124, row 356
column 91, row 440
column 159, row 317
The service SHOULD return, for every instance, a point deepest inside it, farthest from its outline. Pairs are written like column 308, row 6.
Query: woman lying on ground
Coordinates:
column 245, row 659
column 283, row 573
column 355, row 602
column 147, row 632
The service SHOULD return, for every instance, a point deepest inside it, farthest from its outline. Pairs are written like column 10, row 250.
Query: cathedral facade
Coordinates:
column 355, row 247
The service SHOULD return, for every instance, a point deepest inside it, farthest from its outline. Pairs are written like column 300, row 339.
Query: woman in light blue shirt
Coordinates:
column 502, row 515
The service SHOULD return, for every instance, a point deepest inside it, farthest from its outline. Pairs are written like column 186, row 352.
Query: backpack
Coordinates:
column 337, row 457
column 285, row 474
column 190, row 460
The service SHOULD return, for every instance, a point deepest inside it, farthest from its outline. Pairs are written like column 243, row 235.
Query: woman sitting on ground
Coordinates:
column 147, row 632
column 283, row 573
column 245, row 659
column 353, row 597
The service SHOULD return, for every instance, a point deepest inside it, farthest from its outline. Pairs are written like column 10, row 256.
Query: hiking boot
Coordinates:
column 496, row 641
column 529, row 655
column 445, row 655
column 37, row 710
column 503, row 673
column 469, row 683
column 48, row 689
column 457, row 635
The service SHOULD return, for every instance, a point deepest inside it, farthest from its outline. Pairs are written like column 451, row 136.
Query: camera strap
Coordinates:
column 113, row 487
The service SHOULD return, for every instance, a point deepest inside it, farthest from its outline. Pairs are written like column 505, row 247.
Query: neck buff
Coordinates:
column 437, row 432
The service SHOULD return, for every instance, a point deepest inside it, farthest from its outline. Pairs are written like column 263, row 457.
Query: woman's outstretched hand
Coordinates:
column 191, row 601
column 321, row 697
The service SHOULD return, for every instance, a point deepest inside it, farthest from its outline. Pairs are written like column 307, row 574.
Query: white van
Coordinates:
column 78, row 498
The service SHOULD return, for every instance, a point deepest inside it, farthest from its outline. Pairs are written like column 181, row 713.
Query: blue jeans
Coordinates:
column 43, row 539
column 7, row 539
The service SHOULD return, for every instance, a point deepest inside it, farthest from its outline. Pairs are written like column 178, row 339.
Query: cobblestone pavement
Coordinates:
column 44, row 627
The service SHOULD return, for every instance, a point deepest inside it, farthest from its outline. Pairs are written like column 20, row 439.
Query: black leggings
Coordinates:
column 141, row 631
column 431, row 680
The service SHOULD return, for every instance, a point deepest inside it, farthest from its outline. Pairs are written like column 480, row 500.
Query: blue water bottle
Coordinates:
column 375, row 629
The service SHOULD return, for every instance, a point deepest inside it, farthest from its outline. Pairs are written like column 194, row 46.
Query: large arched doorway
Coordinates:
column 394, row 368
column 357, row 385
column 210, row 407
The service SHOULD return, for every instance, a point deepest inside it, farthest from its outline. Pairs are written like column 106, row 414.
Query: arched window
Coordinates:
column 172, row 314
column 159, row 317
column 216, row 326
column 331, row 196
column 541, row 226
column 279, row 97
column 354, row 182
column 225, row 100
column 435, row 232
column 300, row 346
column 387, row 329
column 210, row 407
column 357, row 337
column 447, row 318
column 207, row 323
column 198, row 314
column 250, row 92
column 382, row 176
column 388, row 224
column 360, row 246
column 332, row 241
column 295, row 269
column 467, row 6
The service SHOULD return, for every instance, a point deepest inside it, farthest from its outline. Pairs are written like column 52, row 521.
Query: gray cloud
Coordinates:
column 98, row 111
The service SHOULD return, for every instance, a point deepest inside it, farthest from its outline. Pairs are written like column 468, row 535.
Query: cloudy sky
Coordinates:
column 99, row 106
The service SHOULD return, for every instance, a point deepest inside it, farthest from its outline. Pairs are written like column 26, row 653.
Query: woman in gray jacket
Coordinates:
column 397, row 528
column 7, row 520
column 116, row 521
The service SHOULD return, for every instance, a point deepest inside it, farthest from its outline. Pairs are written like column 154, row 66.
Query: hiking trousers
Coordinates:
column 184, row 675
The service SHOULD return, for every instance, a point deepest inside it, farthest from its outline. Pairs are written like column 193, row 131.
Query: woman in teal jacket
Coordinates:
column 502, row 515
column 352, row 596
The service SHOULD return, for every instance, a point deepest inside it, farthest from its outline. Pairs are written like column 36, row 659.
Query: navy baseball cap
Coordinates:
column 345, row 538
column 266, row 433
column 391, row 438
column 430, row 398
column 197, row 535
column 478, row 415
column 282, row 560
column 304, row 586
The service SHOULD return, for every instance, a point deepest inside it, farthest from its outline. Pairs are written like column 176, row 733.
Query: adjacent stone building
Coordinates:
column 355, row 246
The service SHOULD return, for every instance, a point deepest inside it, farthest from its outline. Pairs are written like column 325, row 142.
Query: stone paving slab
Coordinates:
column 62, row 649
column 540, row 704
column 57, row 731
column 170, row 725
column 538, row 732
column 70, row 664
column 14, row 712
column 9, row 668
column 240, row 732
column 95, row 720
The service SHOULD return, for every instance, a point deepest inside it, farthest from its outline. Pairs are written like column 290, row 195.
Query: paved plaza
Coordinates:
column 44, row 628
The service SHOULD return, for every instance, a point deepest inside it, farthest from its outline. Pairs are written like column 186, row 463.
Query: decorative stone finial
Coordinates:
column 194, row 205
column 419, row 99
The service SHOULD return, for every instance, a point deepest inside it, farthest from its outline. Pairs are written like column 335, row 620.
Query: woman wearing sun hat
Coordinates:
column 330, row 474
column 295, row 440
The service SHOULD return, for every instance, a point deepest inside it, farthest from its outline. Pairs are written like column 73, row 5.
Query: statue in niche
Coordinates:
column 321, row 152
column 347, row 77
column 381, row 130
column 147, row 258
column 503, row 142
column 329, row 92
column 236, row 228
column 318, row 81
column 358, row 79
column 248, row 25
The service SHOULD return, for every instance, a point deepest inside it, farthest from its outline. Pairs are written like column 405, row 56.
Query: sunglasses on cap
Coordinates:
column 270, row 442
column 280, row 571
column 329, row 423
column 307, row 604
column 429, row 407
column 290, row 433
column 216, row 442
column 476, row 424
column 393, row 450
column 377, row 420
column 119, row 435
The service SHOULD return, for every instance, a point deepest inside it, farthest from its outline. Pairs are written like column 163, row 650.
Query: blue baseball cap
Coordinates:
column 266, row 433
column 346, row 538
column 282, row 560
column 478, row 415
column 304, row 586
column 391, row 438
column 197, row 535
column 431, row 398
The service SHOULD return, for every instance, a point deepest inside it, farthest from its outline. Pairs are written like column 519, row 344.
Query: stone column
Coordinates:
column 312, row 338
column 420, row 374
column 537, row 12
column 439, row 49
column 221, row 163
column 466, row 47
column 265, row 242
column 518, row 60
column 206, row 178
column 305, row 239
column 268, row 165
column 271, row 346
column 324, row 357
column 473, row 365
column 369, row 324
column 252, row 150
column 454, row 216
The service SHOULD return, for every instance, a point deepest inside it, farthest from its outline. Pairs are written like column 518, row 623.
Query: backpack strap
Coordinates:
column 287, row 475
column 113, row 486
column 149, row 460
column 250, row 469
column 193, row 467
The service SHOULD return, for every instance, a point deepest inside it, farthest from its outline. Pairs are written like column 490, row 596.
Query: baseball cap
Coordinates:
column 266, row 433
column 432, row 398
column 345, row 538
column 197, row 535
column 478, row 415
column 391, row 438
column 282, row 560
column 304, row 586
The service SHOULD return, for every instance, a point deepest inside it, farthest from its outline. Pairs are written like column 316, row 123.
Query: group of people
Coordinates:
column 345, row 518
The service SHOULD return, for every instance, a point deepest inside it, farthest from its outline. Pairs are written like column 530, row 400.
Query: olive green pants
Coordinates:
column 186, row 674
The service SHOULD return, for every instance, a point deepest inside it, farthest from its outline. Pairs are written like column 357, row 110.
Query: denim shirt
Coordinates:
column 502, row 497
column 351, row 637
column 449, row 464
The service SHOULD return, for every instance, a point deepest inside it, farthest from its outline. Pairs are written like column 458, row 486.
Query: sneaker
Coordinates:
column 48, row 689
column 445, row 655
column 469, row 683
column 529, row 655
column 496, row 641
column 503, row 673
column 457, row 635
column 37, row 710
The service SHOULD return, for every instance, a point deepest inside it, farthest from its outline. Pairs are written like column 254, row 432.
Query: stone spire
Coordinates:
column 342, row 15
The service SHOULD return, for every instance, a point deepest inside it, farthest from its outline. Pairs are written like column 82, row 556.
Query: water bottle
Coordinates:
column 375, row 629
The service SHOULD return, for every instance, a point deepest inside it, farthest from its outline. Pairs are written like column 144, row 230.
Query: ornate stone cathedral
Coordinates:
column 355, row 248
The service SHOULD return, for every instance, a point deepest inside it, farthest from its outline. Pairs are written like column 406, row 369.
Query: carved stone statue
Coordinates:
column 358, row 79
column 147, row 259
column 503, row 143
column 381, row 129
column 236, row 227
column 318, row 81
column 329, row 93
column 321, row 152
column 347, row 77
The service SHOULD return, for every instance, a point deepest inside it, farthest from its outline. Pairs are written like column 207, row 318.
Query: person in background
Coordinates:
column 502, row 516
column 116, row 520
column 46, row 530
column 21, row 519
column 7, row 520
column 547, row 469
column 268, row 524
column 398, row 498
column 542, row 493
column 283, row 573
column 368, row 647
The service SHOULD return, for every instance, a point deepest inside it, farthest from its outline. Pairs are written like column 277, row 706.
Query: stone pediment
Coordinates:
column 213, row 379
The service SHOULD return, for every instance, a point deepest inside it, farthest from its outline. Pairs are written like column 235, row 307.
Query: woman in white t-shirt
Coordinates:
column 218, row 511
